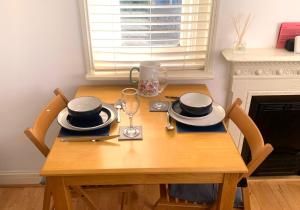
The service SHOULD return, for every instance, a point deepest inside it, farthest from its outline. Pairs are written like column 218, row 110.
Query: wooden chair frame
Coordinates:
column 37, row 133
column 37, row 136
column 259, row 152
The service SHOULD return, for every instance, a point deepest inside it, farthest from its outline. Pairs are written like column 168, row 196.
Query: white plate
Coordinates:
column 216, row 116
column 62, row 119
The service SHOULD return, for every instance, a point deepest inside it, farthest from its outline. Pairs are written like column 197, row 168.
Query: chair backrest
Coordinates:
column 259, row 150
column 41, row 125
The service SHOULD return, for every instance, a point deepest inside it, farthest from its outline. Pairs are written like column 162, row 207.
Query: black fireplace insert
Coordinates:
column 278, row 119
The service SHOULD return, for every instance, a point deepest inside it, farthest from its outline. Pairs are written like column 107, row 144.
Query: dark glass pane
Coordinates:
column 167, row 2
column 166, row 19
column 161, row 39
column 165, row 28
column 166, row 11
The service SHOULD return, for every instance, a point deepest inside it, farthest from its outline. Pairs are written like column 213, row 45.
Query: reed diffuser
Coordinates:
column 241, row 30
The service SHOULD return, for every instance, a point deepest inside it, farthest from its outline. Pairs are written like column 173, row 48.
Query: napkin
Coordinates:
column 183, row 128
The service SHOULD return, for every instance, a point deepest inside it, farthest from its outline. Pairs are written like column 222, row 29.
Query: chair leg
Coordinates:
column 213, row 206
column 85, row 197
column 128, row 199
column 47, row 198
column 246, row 198
column 163, row 193
column 122, row 200
column 156, row 204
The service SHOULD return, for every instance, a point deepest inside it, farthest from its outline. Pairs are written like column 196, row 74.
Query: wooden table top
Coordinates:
column 159, row 152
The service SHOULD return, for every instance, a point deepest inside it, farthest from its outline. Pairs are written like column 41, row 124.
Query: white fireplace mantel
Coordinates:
column 261, row 72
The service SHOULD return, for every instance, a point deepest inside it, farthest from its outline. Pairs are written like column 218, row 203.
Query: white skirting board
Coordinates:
column 19, row 177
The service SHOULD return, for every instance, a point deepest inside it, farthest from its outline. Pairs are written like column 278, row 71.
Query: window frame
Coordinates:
column 186, row 75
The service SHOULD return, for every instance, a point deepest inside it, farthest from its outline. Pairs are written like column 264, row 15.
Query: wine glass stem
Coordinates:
column 160, row 96
column 130, row 120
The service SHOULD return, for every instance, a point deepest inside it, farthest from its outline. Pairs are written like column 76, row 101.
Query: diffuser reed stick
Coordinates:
column 241, row 30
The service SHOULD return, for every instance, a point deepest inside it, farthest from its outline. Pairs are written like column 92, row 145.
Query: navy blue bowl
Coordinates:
column 196, row 104
column 85, row 107
column 85, row 122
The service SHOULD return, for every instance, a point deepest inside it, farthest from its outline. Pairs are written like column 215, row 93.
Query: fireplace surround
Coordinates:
column 268, row 81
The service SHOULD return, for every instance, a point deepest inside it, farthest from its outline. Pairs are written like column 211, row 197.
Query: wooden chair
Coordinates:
column 37, row 135
column 259, row 152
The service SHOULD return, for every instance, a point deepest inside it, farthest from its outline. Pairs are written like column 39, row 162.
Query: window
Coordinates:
column 119, row 34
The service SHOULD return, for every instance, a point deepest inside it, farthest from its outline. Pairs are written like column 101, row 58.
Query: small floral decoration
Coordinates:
column 148, row 87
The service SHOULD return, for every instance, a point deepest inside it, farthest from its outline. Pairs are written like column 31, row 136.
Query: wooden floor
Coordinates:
column 265, row 195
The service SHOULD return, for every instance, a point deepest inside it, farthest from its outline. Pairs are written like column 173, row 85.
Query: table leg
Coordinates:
column 60, row 192
column 47, row 198
column 227, row 192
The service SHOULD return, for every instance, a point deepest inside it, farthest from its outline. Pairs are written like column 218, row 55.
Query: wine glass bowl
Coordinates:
column 162, row 79
column 130, row 105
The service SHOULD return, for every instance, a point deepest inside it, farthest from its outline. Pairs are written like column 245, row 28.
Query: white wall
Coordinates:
column 40, row 49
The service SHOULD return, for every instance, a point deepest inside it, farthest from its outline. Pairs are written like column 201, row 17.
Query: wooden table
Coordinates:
column 161, row 157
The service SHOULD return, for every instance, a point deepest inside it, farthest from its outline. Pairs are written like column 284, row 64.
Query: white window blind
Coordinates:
column 122, row 33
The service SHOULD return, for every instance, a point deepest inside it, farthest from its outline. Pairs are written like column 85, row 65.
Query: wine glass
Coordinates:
column 163, row 82
column 130, row 104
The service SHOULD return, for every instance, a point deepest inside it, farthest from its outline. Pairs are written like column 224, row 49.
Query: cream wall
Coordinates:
column 40, row 49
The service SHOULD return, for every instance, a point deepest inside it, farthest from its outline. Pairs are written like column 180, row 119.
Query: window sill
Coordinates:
column 187, row 75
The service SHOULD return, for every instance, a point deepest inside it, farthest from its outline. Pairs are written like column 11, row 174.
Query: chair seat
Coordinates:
column 201, row 193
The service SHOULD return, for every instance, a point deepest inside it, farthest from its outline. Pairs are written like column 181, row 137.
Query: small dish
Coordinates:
column 197, row 104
